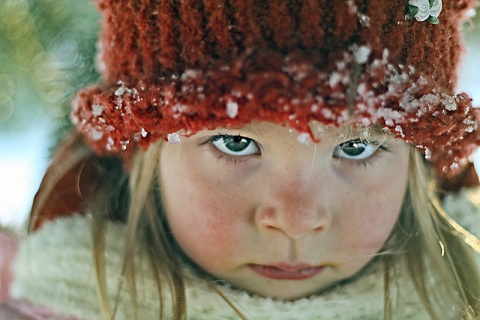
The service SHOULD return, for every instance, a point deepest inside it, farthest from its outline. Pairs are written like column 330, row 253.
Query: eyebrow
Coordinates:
column 255, row 130
column 328, row 133
column 347, row 132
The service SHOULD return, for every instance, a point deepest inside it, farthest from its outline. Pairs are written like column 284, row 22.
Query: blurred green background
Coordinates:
column 47, row 48
column 47, row 52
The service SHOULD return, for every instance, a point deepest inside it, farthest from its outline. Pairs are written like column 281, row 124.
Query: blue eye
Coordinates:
column 235, row 145
column 355, row 150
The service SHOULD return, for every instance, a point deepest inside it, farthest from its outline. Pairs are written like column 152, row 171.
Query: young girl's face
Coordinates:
column 278, row 216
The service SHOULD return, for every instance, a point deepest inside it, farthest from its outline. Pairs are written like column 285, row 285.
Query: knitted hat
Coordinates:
column 172, row 68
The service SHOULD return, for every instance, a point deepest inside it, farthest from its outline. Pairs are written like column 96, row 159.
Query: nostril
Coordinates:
column 297, row 235
column 293, row 224
column 300, row 232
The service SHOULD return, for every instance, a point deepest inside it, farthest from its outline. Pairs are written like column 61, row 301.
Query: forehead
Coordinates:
column 320, row 131
column 348, row 131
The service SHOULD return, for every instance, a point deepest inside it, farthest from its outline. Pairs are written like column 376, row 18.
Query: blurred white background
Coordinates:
column 47, row 52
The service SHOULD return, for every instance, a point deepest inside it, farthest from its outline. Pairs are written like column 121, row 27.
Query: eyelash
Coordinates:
column 229, row 159
column 368, row 162
column 235, row 160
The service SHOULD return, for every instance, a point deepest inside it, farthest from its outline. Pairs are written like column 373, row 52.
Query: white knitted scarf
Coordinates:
column 54, row 269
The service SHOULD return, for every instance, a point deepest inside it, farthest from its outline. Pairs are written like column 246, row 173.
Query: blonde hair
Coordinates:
column 434, row 249
column 429, row 244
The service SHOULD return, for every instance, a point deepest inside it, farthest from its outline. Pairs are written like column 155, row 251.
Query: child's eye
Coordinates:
column 235, row 145
column 355, row 149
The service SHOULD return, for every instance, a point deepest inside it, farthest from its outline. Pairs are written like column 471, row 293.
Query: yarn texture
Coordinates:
column 63, row 241
column 181, row 67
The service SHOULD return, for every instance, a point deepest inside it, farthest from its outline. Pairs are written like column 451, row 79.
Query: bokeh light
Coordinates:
column 47, row 52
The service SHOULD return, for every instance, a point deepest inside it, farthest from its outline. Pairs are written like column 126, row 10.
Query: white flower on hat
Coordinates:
column 423, row 10
column 436, row 8
column 423, row 7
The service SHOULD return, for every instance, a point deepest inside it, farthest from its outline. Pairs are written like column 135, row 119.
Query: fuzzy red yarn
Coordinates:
column 184, row 66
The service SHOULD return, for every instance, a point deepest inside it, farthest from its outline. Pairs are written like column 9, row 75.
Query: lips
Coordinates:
column 286, row 272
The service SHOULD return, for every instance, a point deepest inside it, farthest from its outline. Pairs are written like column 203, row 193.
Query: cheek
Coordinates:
column 205, row 220
column 369, row 216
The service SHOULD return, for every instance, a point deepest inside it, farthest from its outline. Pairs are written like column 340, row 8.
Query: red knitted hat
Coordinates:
column 182, row 66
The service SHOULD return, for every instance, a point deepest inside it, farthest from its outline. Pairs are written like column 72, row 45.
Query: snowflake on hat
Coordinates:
column 423, row 10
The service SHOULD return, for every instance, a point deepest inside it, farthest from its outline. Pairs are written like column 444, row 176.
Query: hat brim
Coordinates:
column 292, row 91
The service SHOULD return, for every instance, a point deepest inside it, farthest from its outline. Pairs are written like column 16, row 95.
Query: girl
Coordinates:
column 262, row 160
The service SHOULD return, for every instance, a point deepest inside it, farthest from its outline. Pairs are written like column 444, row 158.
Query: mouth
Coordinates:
column 284, row 271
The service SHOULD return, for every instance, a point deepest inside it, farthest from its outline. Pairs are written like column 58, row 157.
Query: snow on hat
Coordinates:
column 176, row 67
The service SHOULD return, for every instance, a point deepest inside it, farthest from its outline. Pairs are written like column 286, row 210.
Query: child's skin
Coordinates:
column 306, row 211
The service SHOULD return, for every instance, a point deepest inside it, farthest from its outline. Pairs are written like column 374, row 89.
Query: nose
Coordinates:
column 294, row 205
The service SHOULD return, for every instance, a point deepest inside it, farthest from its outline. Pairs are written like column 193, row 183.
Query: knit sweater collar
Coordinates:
column 54, row 269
